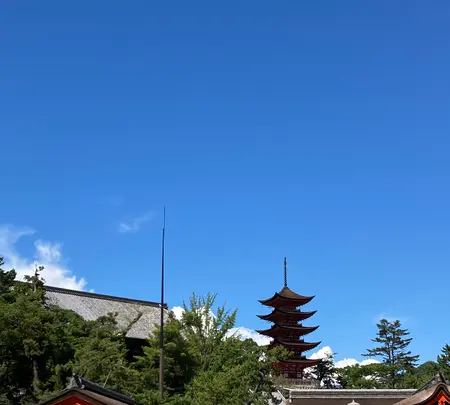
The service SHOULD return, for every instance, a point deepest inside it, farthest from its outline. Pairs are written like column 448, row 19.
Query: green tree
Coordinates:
column 179, row 363
column 324, row 372
column 225, row 363
column 25, row 329
column 205, row 362
column 101, row 356
column 41, row 344
column 363, row 376
column 444, row 361
column 393, row 343
column 7, row 279
column 419, row 376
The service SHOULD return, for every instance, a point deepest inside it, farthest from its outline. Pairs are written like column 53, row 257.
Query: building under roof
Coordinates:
column 345, row 396
column 138, row 317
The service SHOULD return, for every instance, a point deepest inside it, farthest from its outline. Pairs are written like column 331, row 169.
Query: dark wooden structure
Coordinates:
column 288, row 329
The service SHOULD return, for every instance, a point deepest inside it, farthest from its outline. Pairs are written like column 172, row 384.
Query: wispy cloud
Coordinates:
column 47, row 254
column 135, row 224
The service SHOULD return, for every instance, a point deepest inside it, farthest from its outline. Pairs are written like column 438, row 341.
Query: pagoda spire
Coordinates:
column 285, row 272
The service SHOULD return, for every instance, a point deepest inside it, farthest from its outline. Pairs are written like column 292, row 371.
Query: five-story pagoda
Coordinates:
column 288, row 330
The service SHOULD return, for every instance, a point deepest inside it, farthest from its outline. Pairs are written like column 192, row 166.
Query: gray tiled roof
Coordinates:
column 91, row 306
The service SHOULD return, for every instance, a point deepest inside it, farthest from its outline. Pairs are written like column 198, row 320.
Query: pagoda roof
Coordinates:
column 279, row 313
column 287, row 297
column 296, row 346
column 278, row 330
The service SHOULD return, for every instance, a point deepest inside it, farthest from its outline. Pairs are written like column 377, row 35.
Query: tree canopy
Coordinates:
column 42, row 345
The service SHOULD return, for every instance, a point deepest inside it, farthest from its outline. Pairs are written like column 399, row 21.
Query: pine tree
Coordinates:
column 444, row 361
column 393, row 342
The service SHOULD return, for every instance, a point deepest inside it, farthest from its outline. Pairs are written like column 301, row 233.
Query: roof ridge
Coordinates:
column 82, row 384
column 102, row 296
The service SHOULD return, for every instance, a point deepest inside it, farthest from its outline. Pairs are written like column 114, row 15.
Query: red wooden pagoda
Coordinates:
column 288, row 330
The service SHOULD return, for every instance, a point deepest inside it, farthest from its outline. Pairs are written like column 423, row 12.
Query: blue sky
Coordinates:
column 314, row 130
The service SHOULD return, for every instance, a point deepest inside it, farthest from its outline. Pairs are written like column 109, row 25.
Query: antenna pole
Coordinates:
column 161, row 334
column 285, row 272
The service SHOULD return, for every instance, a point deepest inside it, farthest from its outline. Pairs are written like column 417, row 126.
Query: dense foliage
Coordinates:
column 42, row 345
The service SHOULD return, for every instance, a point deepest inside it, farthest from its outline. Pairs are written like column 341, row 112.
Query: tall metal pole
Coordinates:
column 161, row 334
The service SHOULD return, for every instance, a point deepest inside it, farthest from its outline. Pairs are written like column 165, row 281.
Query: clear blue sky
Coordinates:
column 314, row 130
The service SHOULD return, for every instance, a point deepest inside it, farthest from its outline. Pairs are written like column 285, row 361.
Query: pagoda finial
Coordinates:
column 285, row 272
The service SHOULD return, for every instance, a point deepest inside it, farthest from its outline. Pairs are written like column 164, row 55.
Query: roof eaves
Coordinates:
column 103, row 296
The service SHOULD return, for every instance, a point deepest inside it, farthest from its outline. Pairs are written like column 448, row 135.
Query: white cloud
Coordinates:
column 135, row 224
column 323, row 353
column 47, row 254
column 178, row 312
column 246, row 333
column 326, row 352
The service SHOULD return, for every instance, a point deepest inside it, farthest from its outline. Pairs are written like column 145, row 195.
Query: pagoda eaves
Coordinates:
column 285, row 330
column 285, row 314
column 286, row 298
column 295, row 346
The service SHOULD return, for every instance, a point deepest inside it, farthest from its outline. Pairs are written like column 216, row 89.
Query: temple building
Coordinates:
column 137, row 318
column 287, row 329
